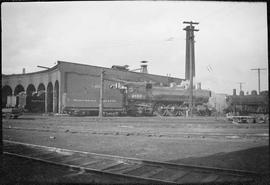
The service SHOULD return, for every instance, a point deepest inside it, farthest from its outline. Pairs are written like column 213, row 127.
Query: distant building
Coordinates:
column 57, row 82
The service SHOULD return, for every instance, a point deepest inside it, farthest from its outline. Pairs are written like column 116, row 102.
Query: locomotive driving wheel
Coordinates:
column 171, row 110
column 181, row 110
column 159, row 109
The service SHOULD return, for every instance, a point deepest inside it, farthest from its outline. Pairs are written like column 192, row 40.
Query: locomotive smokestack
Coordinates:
column 254, row 92
column 144, row 67
column 23, row 71
column 234, row 92
column 241, row 93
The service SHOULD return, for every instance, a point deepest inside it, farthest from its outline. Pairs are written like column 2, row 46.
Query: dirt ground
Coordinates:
column 198, row 141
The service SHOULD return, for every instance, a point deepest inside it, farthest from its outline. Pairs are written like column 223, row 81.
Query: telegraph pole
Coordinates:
column 259, row 81
column 101, row 94
column 241, row 85
column 190, row 59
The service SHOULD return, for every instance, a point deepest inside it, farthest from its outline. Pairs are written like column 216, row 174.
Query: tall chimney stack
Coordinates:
column 23, row 71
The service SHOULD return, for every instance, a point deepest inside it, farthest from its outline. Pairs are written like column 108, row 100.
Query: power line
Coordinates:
column 259, row 74
column 240, row 83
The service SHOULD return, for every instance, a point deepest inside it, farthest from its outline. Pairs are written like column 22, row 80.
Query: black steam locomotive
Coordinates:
column 35, row 102
column 147, row 99
column 248, row 104
column 136, row 98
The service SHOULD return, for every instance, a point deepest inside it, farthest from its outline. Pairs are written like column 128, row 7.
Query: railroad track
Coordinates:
column 137, row 170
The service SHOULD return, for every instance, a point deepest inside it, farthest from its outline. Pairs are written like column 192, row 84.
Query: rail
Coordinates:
column 128, row 168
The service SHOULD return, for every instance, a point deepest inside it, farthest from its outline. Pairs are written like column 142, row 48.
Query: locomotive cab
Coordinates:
column 139, row 91
column 139, row 99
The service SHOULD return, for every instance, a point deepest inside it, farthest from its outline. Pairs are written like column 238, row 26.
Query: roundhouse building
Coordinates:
column 61, row 79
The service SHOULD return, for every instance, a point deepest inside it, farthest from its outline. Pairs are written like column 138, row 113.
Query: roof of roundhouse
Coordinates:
column 32, row 73
column 116, row 69
column 63, row 62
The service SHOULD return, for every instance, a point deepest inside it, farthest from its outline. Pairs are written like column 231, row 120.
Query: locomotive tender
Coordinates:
column 122, row 97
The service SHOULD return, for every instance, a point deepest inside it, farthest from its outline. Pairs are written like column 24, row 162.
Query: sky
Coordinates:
column 232, row 38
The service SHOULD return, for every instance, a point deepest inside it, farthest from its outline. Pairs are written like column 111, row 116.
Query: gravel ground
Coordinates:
column 197, row 141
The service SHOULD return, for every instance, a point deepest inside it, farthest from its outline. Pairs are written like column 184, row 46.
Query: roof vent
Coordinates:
column 144, row 67
column 120, row 68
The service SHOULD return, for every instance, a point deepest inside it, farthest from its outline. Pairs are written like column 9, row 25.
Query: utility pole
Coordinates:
column 240, row 93
column 259, row 74
column 241, row 85
column 101, row 94
column 190, row 59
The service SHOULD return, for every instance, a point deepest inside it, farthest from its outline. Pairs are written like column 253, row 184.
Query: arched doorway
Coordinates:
column 19, row 88
column 41, row 87
column 29, row 95
column 6, row 91
column 38, row 99
column 56, row 96
column 50, row 97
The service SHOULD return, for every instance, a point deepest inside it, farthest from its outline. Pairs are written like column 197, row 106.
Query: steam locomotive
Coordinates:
column 248, row 104
column 36, row 102
column 162, row 101
column 137, row 98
